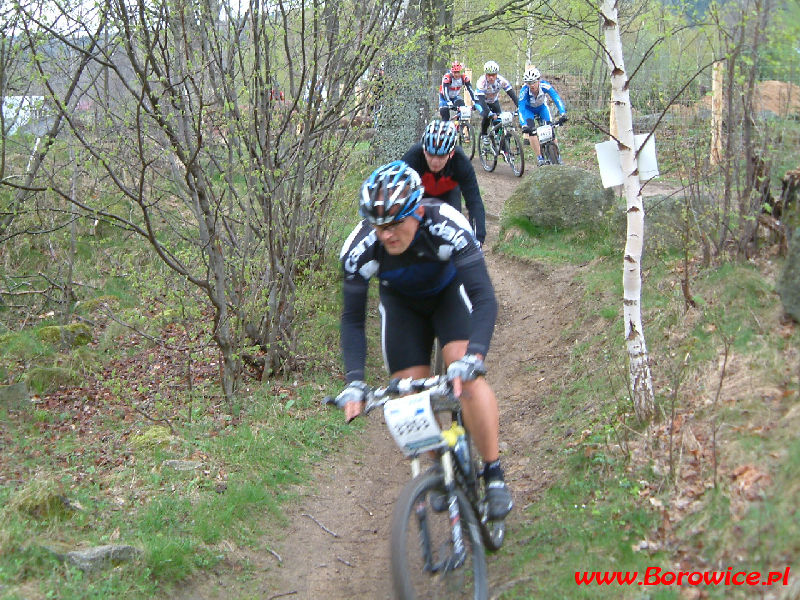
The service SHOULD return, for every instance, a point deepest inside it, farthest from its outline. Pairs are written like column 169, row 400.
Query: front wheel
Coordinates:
column 516, row 157
column 426, row 561
column 487, row 154
column 551, row 154
column 466, row 139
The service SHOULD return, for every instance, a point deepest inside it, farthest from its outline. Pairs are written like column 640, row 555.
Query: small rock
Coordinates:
column 182, row 465
column 100, row 557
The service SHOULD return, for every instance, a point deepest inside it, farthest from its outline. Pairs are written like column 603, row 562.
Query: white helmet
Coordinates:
column 531, row 74
column 491, row 67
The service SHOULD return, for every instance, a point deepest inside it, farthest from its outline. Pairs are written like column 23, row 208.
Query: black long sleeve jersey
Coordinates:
column 444, row 248
column 458, row 172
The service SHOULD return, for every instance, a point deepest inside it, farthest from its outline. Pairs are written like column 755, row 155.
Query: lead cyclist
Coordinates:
column 434, row 283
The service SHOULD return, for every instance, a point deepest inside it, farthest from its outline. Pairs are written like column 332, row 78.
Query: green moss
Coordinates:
column 40, row 498
column 94, row 304
column 74, row 334
column 152, row 437
column 48, row 379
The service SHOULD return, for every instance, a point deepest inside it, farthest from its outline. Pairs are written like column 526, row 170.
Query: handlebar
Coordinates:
column 441, row 388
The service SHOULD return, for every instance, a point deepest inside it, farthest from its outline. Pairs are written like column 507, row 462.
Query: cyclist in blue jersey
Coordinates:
column 434, row 283
column 533, row 104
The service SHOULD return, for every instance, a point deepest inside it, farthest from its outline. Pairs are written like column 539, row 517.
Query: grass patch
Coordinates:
column 617, row 484
column 577, row 246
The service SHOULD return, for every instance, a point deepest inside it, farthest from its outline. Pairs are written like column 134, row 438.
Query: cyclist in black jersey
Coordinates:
column 433, row 283
column 447, row 173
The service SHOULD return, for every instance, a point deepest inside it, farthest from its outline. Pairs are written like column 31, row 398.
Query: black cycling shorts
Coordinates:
column 409, row 325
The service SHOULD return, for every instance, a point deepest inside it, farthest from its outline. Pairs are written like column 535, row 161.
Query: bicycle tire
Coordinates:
column 437, row 361
column 551, row 153
column 466, row 139
column 516, row 156
column 488, row 156
column 422, row 537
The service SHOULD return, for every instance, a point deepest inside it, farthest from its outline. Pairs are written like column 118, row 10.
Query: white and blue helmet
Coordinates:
column 531, row 75
column 392, row 192
column 439, row 138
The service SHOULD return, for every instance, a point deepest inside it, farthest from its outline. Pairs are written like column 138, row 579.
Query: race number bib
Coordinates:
column 412, row 424
column 544, row 133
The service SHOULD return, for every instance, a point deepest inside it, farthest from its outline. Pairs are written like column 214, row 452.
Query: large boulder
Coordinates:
column 560, row 197
column 788, row 284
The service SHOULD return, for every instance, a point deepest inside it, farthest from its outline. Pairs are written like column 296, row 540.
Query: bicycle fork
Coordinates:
column 456, row 557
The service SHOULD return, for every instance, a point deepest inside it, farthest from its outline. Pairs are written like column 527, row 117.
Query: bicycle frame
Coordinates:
column 548, row 146
column 441, row 400
column 503, row 139
column 454, row 472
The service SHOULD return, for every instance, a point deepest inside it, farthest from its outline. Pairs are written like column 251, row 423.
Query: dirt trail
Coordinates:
column 336, row 546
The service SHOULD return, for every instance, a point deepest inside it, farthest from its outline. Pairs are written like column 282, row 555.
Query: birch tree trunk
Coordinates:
column 641, row 383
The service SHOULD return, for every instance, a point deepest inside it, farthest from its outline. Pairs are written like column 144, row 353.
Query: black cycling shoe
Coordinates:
column 498, row 499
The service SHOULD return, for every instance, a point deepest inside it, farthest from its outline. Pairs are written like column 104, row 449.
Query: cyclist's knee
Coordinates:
column 416, row 372
column 454, row 350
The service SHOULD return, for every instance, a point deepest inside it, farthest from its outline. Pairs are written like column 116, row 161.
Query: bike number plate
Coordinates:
column 412, row 424
column 544, row 133
column 465, row 112
column 506, row 118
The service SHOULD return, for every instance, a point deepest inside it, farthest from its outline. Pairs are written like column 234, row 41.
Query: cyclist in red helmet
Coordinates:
column 450, row 90
column 447, row 172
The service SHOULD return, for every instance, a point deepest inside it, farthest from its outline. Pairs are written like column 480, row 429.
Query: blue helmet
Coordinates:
column 392, row 192
column 439, row 138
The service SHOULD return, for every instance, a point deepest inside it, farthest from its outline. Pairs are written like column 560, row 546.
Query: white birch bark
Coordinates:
column 641, row 383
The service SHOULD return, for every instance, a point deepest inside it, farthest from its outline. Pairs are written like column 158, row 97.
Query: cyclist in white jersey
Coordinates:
column 487, row 92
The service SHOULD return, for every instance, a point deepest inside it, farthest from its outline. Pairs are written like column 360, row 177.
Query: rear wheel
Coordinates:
column 516, row 156
column 466, row 139
column 425, row 563
column 487, row 155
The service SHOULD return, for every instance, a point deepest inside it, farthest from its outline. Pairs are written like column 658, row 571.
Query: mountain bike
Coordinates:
column 466, row 133
column 502, row 140
column 547, row 141
column 440, row 528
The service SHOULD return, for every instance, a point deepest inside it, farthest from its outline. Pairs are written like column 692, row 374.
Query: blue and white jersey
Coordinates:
column 527, row 99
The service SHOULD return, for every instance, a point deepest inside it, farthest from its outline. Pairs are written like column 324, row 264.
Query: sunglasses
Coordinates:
column 389, row 226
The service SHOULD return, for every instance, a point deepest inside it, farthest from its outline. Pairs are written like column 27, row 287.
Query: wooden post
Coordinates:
column 716, row 113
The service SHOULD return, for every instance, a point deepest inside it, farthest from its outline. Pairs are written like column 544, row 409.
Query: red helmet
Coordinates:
column 456, row 67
